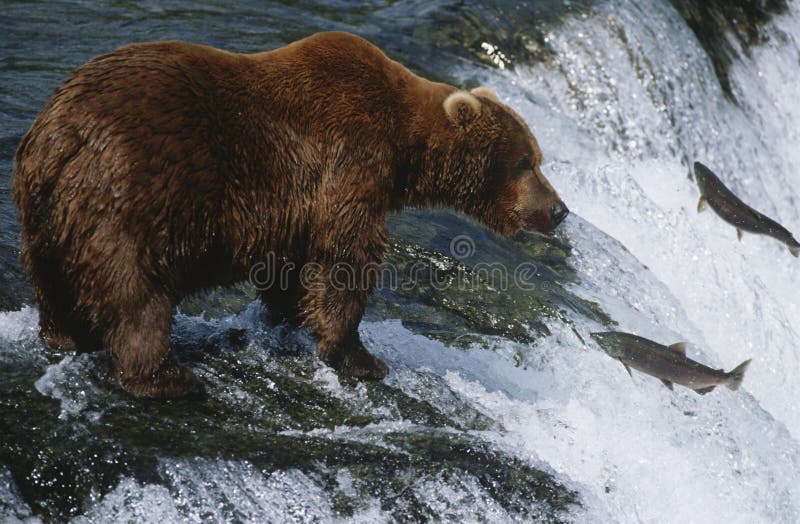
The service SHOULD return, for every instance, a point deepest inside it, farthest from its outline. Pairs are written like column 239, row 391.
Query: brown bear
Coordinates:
column 162, row 168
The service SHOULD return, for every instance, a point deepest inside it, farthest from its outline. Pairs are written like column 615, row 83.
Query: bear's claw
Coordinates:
column 360, row 364
column 58, row 341
column 174, row 381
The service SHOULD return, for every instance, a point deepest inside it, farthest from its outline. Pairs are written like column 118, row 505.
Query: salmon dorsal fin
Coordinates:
column 679, row 348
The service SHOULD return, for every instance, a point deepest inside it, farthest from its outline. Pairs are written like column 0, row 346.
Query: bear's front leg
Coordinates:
column 346, row 247
column 333, row 310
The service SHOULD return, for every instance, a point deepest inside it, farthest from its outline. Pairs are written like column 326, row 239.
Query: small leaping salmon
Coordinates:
column 735, row 212
column 667, row 363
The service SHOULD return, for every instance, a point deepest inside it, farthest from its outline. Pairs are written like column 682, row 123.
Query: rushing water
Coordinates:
column 497, row 407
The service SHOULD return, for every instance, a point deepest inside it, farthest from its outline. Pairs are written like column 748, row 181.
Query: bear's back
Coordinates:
column 148, row 142
column 126, row 102
column 126, row 148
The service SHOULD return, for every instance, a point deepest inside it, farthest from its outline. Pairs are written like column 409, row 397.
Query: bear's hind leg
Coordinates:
column 50, row 333
column 282, row 298
column 140, row 353
column 62, row 330
column 59, row 327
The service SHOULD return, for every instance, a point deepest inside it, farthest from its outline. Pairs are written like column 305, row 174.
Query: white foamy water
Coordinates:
column 19, row 326
column 628, row 104
column 636, row 450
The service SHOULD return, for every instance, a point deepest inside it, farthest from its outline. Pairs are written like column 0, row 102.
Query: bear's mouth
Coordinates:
column 538, row 222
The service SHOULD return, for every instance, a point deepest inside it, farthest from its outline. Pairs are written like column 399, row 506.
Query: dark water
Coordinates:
column 280, row 438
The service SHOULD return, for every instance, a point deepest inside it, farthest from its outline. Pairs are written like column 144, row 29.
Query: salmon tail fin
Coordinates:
column 736, row 375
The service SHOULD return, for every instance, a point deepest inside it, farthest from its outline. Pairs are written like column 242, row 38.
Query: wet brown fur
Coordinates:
column 162, row 168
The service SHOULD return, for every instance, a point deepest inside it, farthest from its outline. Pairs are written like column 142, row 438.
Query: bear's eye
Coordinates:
column 523, row 166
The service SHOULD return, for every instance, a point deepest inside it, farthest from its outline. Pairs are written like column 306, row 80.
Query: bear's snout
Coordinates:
column 558, row 212
column 546, row 218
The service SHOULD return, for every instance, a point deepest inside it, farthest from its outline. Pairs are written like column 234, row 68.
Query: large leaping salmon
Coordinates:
column 668, row 363
column 735, row 212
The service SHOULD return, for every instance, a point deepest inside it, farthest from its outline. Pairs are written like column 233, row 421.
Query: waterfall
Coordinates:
column 487, row 415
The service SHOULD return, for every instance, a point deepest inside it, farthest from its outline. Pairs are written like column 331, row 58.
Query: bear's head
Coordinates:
column 494, row 163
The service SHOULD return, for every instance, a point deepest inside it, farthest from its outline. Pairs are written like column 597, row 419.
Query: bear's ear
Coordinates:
column 486, row 93
column 462, row 108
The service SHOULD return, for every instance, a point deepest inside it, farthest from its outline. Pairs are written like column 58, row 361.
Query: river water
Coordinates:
column 498, row 406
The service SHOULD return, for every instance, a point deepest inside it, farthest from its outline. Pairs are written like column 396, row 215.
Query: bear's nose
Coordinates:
column 558, row 212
